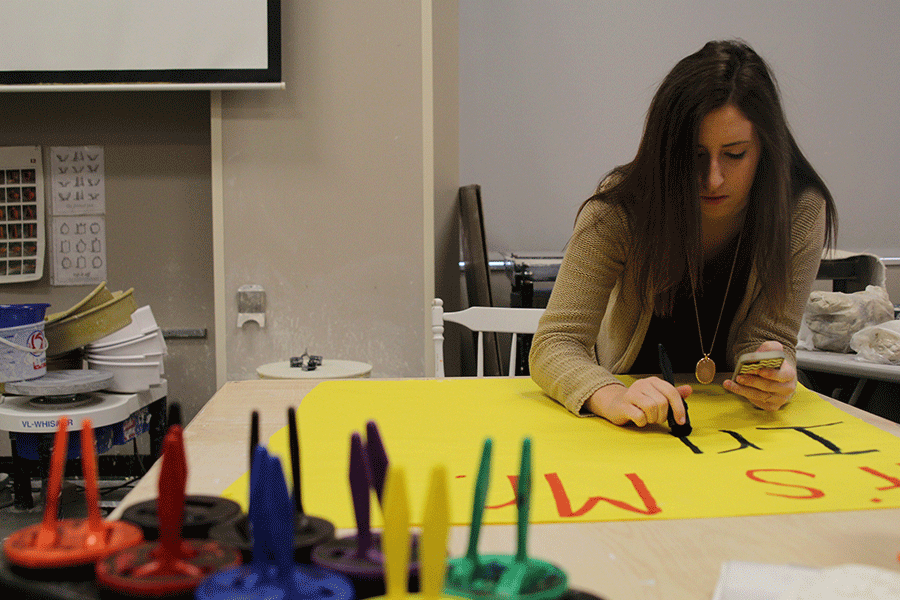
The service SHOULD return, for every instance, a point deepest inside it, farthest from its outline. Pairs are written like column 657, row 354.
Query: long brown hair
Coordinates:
column 659, row 189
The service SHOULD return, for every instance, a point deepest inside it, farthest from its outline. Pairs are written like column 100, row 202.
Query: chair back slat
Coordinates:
column 483, row 319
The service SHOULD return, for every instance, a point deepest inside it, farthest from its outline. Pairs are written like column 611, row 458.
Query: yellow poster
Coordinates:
column 808, row 457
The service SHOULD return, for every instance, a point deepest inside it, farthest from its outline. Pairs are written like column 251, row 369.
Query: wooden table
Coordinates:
column 671, row 559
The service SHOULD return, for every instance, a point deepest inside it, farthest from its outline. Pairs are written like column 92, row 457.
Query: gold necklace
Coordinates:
column 706, row 367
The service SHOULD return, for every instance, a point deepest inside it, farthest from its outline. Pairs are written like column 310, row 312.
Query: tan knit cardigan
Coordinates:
column 594, row 327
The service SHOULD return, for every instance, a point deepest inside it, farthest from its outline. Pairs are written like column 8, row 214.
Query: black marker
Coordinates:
column 665, row 365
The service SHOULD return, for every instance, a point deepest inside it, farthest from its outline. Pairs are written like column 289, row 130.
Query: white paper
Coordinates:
column 77, row 180
column 740, row 580
column 78, row 225
column 78, row 250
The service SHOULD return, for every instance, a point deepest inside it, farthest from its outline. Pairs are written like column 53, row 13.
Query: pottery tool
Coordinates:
column 172, row 565
column 396, row 537
column 377, row 459
column 254, row 434
column 309, row 531
column 236, row 532
column 68, row 543
column 272, row 572
column 173, row 417
column 360, row 556
column 199, row 513
column 515, row 576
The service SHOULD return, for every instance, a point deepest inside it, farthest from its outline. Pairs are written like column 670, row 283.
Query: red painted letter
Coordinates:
column 895, row 483
column 564, row 506
column 813, row 492
column 514, row 481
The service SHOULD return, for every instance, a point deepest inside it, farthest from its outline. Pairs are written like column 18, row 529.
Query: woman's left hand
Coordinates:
column 768, row 389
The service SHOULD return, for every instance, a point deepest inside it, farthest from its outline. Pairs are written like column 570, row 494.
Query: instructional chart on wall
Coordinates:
column 78, row 222
column 21, row 214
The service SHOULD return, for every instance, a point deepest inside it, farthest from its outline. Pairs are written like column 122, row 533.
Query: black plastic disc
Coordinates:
column 201, row 513
column 309, row 532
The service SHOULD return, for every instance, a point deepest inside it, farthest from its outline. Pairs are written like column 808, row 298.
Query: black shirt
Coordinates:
column 678, row 331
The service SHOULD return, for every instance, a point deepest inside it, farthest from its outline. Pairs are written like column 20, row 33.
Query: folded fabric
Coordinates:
column 742, row 580
column 878, row 343
column 831, row 318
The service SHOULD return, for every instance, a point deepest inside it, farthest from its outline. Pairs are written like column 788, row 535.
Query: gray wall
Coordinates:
column 553, row 95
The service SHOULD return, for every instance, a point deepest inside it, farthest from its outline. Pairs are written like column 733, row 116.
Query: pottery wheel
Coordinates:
column 62, row 384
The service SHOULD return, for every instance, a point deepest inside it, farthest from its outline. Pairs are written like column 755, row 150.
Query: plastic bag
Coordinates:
column 878, row 343
column 831, row 318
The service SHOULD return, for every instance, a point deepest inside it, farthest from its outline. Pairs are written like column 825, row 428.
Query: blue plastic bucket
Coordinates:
column 23, row 352
column 13, row 315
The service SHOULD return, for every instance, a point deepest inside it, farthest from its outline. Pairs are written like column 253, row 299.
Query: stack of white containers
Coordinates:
column 133, row 354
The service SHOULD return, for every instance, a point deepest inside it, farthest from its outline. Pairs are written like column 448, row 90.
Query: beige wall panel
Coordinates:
column 323, row 198
column 446, row 180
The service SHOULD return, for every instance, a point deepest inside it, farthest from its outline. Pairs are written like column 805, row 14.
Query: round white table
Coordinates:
column 329, row 369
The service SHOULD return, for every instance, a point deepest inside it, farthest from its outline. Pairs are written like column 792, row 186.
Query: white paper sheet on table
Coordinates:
column 741, row 580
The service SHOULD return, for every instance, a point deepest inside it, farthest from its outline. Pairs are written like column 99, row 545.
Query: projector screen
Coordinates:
column 198, row 43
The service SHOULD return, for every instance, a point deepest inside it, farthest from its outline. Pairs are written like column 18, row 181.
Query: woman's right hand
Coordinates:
column 644, row 402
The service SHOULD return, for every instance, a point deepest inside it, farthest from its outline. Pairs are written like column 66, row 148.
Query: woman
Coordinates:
column 707, row 242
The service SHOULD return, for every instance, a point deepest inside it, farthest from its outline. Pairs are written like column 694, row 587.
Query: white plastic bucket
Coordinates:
column 23, row 352
column 150, row 357
column 128, row 377
column 148, row 342
column 142, row 323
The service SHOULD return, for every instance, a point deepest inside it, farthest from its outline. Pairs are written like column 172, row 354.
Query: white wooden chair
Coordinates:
column 482, row 319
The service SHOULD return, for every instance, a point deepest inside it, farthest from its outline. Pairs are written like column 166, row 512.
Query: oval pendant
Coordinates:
column 706, row 370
